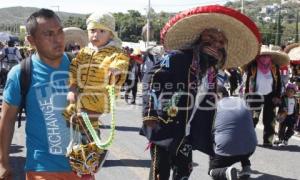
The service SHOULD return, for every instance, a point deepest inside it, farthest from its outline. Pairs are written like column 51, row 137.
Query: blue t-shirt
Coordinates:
column 47, row 134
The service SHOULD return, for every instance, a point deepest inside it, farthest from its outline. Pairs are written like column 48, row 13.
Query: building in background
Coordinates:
column 287, row 1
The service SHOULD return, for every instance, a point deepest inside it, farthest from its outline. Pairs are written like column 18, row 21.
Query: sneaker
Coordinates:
column 231, row 173
column 283, row 143
column 245, row 173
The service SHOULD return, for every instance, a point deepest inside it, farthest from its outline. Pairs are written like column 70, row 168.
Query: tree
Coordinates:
column 75, row 22
column 129, row 25
column 278, row 29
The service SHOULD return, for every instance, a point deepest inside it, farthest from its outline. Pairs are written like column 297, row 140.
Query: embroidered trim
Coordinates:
column 152, row 79
column 187, row 112
column 169, row 120
column 171, row 107
column 147, row 118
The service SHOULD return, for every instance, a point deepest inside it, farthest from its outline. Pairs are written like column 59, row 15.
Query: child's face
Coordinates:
column 99, row 37
column 290, row 92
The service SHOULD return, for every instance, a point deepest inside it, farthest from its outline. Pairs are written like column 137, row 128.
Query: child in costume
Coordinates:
column 96, row 66
column 99, row 64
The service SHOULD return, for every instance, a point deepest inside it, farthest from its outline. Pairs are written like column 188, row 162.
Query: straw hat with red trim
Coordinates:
column 278, row 57
column 184, row 29
column 293, row 51
column 75, row 35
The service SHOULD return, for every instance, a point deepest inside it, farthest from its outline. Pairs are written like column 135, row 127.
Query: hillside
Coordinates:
column 253, row 9
column 18, row 15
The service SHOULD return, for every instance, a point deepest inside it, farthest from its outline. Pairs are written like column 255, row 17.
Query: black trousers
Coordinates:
column 162, row 161
column 268, row 118
column 3, row 77
column 219, row 164
column 131, row 85
column 297, row 125
column 286, row 128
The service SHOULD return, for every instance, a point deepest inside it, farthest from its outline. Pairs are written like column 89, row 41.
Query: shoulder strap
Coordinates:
column 70, row 56
column 25, row 81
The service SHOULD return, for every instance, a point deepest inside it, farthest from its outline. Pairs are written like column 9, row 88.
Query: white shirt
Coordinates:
column 291, row 106
column 264, row 82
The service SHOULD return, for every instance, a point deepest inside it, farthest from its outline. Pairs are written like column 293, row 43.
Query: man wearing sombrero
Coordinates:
column 179, row 94
column 264, row 83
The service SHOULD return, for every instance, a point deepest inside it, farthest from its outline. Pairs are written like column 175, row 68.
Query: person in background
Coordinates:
column 288, row 115
column 263, row 85
column 2, row 70
column 12, row 55
column 134, row 75
column 234, row 137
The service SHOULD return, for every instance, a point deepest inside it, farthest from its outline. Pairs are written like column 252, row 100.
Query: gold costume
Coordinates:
column 89, row 71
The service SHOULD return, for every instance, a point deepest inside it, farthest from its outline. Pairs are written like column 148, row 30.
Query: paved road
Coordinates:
column 128, row 160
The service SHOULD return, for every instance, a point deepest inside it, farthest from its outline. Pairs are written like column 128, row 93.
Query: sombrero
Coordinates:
column 278, row 57
column 243, row 36
column 75, row 35
column 293, row 51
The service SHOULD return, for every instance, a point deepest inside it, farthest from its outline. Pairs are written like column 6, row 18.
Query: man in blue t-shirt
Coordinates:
column 47, row 134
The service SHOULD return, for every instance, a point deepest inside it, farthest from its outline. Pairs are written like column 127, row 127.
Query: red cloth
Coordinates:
column 284, row 70
column 138, row 59
column 295, row 62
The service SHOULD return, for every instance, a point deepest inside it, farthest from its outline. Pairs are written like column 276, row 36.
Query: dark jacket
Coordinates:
column 251, row 79
column 173, row 81
column 284, row 106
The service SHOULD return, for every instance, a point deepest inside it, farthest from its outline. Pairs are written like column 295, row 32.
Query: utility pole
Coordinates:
column 242, row 6
column 278, row 29
column 297, row 27
column 148, row 24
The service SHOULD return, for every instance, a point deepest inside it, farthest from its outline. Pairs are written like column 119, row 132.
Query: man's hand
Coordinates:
column 71, row 97
column 114, row 75
column 114, row 71
column 151, row 123
column 5, row 172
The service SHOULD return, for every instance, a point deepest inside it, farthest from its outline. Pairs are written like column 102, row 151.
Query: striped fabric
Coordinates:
column 90, row 72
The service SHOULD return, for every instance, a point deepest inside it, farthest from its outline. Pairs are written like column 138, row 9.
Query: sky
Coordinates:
column 89, row 6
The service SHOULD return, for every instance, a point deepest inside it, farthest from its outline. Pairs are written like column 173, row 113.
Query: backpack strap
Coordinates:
column 25, row 81
column 70, row 56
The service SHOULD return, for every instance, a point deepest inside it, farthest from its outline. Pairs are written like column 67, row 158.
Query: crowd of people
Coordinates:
column 11, row 55
column 203, row 89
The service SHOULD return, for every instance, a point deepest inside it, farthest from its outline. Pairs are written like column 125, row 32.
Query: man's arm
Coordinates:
column 7, row 122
